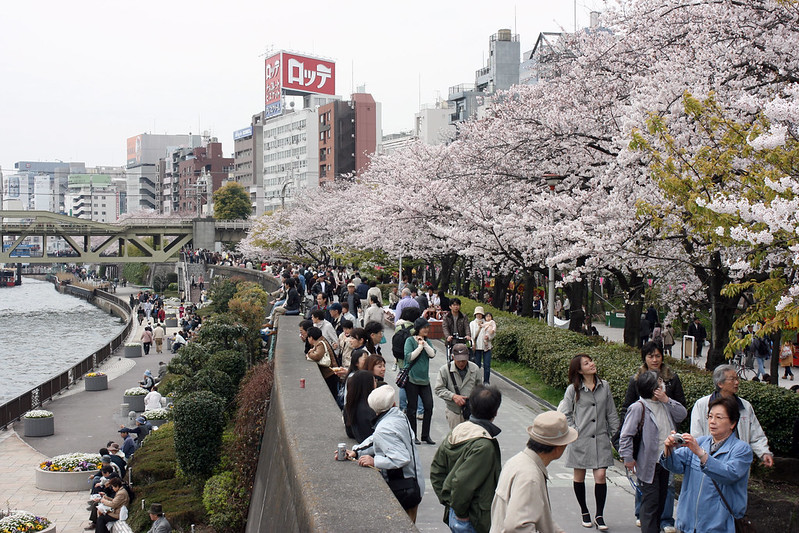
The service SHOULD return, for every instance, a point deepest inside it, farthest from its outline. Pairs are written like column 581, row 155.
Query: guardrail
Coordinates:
column 37, row 396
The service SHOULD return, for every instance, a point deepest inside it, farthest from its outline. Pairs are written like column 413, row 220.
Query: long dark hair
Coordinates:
column 372, row 328
column 575, row 378
column 359, row 385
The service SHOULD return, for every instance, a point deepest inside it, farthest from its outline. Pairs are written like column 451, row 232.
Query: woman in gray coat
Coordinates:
column 589, row 408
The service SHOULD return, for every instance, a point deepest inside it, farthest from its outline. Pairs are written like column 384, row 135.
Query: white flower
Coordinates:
column 38, row 413
column 136, row 391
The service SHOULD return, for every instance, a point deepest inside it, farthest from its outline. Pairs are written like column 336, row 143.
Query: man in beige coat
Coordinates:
column 521, row 501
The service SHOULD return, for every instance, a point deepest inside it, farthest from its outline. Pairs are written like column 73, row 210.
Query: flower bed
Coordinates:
column 95, row 381
column 67, row 473
column 157, row 417
column 132, row 350
column 73, row 462
column 39, row 423
column 23, row 522
column 135, row 398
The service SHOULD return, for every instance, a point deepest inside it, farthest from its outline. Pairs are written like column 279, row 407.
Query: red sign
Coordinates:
column 308, row 74
column 274, row 89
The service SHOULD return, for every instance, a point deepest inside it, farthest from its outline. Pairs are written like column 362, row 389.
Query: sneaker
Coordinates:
column 637, row 522
column 394, row 368
column 669, row 529
column 420, row 416
column 586, row 520
column 600, row 523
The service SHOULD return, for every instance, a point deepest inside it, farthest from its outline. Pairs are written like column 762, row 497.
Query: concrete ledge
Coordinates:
column 298, row 485
column 269, row 283
column 63, row 481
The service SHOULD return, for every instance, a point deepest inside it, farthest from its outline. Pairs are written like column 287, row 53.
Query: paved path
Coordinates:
column 516, row 413
column 85, row 422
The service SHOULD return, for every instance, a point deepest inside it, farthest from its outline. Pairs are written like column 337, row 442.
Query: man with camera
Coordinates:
column 455, row 382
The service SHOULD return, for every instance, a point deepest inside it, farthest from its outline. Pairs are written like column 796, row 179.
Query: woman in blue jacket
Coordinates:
column 718, row 463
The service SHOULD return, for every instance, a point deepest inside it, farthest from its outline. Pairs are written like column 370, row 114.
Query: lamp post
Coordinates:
column 552, row 181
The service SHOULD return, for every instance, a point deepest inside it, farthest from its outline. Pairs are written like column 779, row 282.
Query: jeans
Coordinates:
column 403, row 402
column 761, row 366
column 424, row 392
column 482, row 359
column 459, row 526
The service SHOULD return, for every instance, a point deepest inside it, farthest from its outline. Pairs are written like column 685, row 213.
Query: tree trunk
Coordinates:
column 776, row 342
column 577, row 299
column 500, row 289
column 632, row 284
column 447, row 264
column 527, row 297
column 722, row 311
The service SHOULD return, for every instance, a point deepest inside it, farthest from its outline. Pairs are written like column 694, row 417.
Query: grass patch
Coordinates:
column 529, row 379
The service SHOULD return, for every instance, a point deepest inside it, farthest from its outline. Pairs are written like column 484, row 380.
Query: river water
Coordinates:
column 44, row 333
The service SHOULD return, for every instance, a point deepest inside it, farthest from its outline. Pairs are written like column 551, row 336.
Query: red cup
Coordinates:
column 302, row 383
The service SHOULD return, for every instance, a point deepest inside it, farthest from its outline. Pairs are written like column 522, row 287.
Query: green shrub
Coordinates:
column 211, row 380
column 549, row 350
column 136, row 273
column 199, row 422
column 189, row 359
column 181, row 502
column 170, row 383
column 217, row 495
column 230, row 362
column 155, row 461
column 172, row 287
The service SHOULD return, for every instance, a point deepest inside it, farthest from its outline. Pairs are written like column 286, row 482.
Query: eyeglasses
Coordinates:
column 716, row 417
column 733, row 378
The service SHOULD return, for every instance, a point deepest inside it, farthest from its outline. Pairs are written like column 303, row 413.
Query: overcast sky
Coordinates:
column 78, row 78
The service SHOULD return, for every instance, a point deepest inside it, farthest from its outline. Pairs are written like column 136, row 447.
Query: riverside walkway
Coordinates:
column 84, row 422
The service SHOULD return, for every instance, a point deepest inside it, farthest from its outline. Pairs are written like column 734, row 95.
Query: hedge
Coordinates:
column 548, row 350
column 199, row 422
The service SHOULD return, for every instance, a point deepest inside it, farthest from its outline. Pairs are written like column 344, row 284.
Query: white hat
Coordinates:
column 381, row 399
column 479, row 310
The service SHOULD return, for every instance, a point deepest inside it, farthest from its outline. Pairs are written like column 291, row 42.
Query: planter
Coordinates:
column 135, row 403
column 39, row 427
column 48, row 529
column 133, row 351
column 63, row 481
column 171, row 322
column 95, row 383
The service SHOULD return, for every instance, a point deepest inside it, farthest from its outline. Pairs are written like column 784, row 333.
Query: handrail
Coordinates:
column 13, row 410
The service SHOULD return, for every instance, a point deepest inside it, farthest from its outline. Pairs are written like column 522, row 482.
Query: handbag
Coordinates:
column 466, row 411
column 402, row 375
column 405, row 489
column 743, row 524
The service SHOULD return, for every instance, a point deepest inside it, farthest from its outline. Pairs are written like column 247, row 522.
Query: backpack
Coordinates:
column 398, row 341
column 131, row 494
column 761, row 348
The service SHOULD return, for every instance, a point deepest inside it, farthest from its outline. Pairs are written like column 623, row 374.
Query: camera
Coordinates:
column 678, row 439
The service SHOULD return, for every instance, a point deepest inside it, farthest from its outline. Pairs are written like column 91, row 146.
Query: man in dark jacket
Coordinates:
column 455, row 323
column 466, row 466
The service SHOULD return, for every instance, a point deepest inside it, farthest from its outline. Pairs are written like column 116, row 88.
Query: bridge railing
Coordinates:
column 44, row 392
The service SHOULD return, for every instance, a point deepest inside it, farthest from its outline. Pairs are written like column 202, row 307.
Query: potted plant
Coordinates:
column 157, row 417
column 39, row 423
column 24, row 522
column 94, row 381
column 70, row 472
column 135, row 398
column 172, row 321
column 132, row 349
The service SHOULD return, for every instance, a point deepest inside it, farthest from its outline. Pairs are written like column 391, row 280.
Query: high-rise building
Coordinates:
column 46, row 183
column 291, row 151
column 189, row 176
column 144, row 152
column 348, row 133
column 248, row 155
column 501, row 73
column 431, row 124
column 93, row 197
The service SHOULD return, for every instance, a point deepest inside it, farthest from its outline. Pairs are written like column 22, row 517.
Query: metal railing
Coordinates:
column 37, row 396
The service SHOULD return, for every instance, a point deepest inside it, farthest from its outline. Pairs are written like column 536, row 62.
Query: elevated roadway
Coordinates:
column 137, row 240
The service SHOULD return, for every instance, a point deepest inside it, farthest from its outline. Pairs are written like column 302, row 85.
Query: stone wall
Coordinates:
column 269, row 283
column 298, row 486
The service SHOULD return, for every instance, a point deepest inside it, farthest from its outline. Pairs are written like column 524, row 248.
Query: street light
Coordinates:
column 552, row 181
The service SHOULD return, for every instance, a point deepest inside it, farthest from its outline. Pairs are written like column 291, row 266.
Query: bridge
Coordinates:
column 137, row 240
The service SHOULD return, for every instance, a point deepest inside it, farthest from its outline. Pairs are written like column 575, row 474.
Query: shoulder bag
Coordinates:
column 466, row 411
column 402, row 375
column 640, row 433
column 405, row 489
column 743, row 524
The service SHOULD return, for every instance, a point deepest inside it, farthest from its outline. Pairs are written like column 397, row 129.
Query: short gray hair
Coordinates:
column 720, row 374
column 406, row 291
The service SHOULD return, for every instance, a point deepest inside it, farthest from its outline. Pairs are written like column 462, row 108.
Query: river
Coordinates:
column 44, row 333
